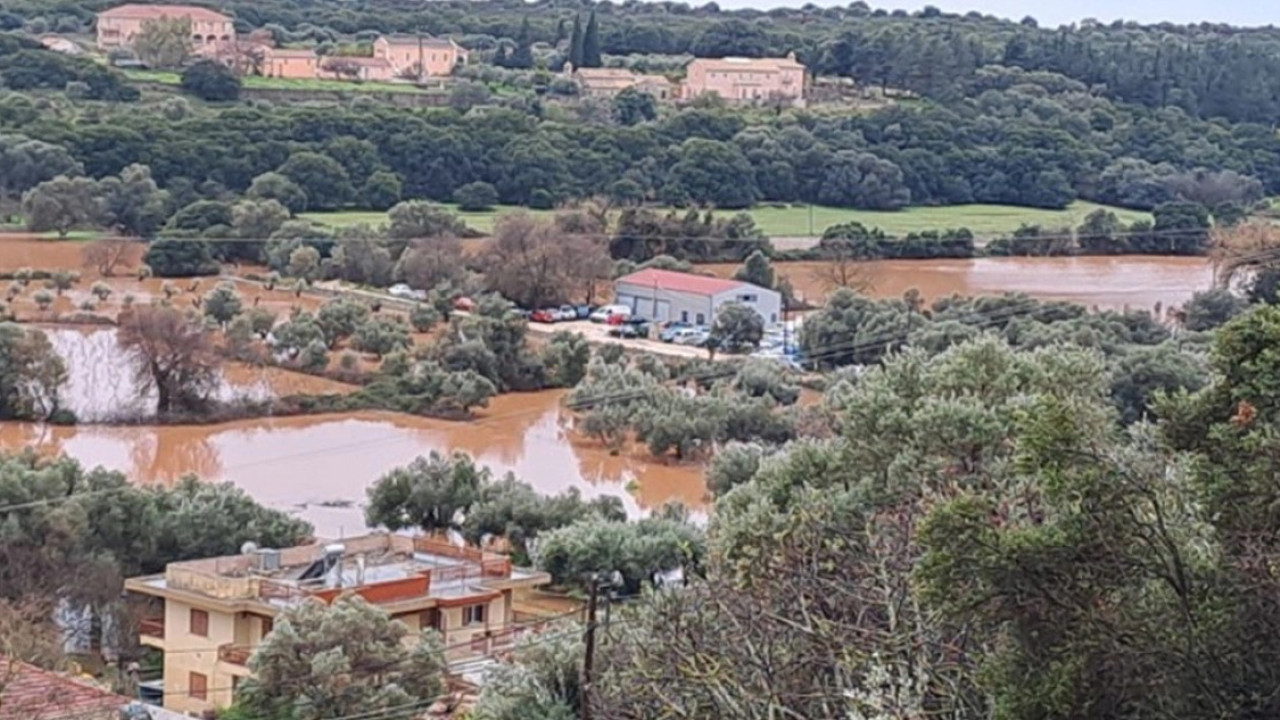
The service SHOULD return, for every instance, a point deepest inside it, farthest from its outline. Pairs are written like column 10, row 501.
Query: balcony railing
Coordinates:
column 151, row 626
column 235, row 654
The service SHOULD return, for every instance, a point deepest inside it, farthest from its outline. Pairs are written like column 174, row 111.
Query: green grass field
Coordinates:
column 481, row 221
column 983, row 220
column 268, row 83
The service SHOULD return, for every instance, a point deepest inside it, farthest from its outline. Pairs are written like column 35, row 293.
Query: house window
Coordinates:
column 773, row 317
column 198, row 623
column 197, row 686
column 268, row 625
column 702, row 319
column 473, row 615
column 748, row 298
column 431, row 619
column 684, row 316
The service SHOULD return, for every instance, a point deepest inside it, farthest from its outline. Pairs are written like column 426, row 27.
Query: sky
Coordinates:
column 1052, row 13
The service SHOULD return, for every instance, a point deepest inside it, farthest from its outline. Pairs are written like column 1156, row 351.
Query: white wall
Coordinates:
column 641, row 300
column 767, row 302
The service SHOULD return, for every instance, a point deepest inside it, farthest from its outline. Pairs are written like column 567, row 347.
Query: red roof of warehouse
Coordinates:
column 153, row 12
column 681, row 282
column 29, row 693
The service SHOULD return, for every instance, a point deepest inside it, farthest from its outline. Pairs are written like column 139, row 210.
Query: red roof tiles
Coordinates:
column 30, row 693
column 680, row 282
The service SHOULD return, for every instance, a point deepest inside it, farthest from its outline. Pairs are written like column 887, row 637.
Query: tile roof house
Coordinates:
column 31, row 693
column 608, row 82
column 120, row 25
column 667, row 295
column 745, row 79
column 419, row 56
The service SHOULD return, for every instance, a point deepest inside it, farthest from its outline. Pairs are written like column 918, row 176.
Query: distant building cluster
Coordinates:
column 214, row 35
column 735, row 79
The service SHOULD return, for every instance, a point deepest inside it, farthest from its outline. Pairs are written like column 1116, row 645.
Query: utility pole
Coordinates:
column 589, row 657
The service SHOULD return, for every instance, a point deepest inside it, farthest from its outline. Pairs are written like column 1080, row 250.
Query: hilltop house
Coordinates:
column 207, row 616
column 418, row 57
column 667, row 295
column 118, row 26
column 393, row 58
column 608, row 82
column 739, row 79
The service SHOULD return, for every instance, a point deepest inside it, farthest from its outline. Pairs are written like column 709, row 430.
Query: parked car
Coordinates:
column 630, row 328
column 567, row 313
column 685, row 336
column 692, row 336
column 602, row 315
column 584, row 311
column 544, row 315
column 670, row 329
column 401, row 290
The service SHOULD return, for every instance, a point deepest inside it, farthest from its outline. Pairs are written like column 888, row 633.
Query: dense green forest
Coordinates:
column 1040, row 142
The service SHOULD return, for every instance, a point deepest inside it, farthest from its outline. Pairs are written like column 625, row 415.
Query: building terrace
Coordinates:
column 209, row 615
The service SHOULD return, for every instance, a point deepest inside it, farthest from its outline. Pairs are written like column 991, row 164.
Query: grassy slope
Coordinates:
column 983, row 220
column 269, row 83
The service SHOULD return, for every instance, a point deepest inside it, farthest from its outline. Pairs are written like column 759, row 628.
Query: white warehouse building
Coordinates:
column 666, row 295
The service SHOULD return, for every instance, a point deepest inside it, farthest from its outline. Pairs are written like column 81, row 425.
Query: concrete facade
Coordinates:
column 668, row 296
column 746, row 79
column 209, row 615
column 119, row 26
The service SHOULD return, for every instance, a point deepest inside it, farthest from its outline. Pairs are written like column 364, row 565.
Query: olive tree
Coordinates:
column 342, row 660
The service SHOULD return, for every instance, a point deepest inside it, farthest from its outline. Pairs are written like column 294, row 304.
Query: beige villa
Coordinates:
column 418, row 56
column 207, row 616
column 393, row 58
column 118, row 26
column 746, row 79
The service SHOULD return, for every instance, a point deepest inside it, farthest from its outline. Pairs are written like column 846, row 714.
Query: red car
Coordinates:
column 544, row 315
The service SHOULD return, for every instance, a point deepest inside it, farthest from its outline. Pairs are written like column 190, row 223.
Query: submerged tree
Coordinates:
column 172, row 355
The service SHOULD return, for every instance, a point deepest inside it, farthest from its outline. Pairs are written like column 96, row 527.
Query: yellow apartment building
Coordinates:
column 207, row 616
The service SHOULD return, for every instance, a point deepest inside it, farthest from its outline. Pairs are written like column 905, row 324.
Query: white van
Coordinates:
column 604, row 313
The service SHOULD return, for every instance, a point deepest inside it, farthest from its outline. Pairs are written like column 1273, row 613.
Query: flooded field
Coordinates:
column 319, row 466
column 1137, row 282
column 102, row 386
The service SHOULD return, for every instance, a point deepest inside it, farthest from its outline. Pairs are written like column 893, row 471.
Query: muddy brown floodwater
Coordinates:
column 320, row 466
column 1110, row 283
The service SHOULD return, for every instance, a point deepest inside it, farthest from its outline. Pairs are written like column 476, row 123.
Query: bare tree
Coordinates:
column 534, row 263
column 429, row 261
column 842, row 268
column 1250, row 245
column 172, row 354
column 105, row 254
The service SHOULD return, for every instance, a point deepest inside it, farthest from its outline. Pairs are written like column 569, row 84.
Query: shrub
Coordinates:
column 476, row 196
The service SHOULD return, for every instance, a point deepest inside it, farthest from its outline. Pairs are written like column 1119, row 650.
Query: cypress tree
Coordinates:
column 591, row 44
column 575, row 43
column 522, row 58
